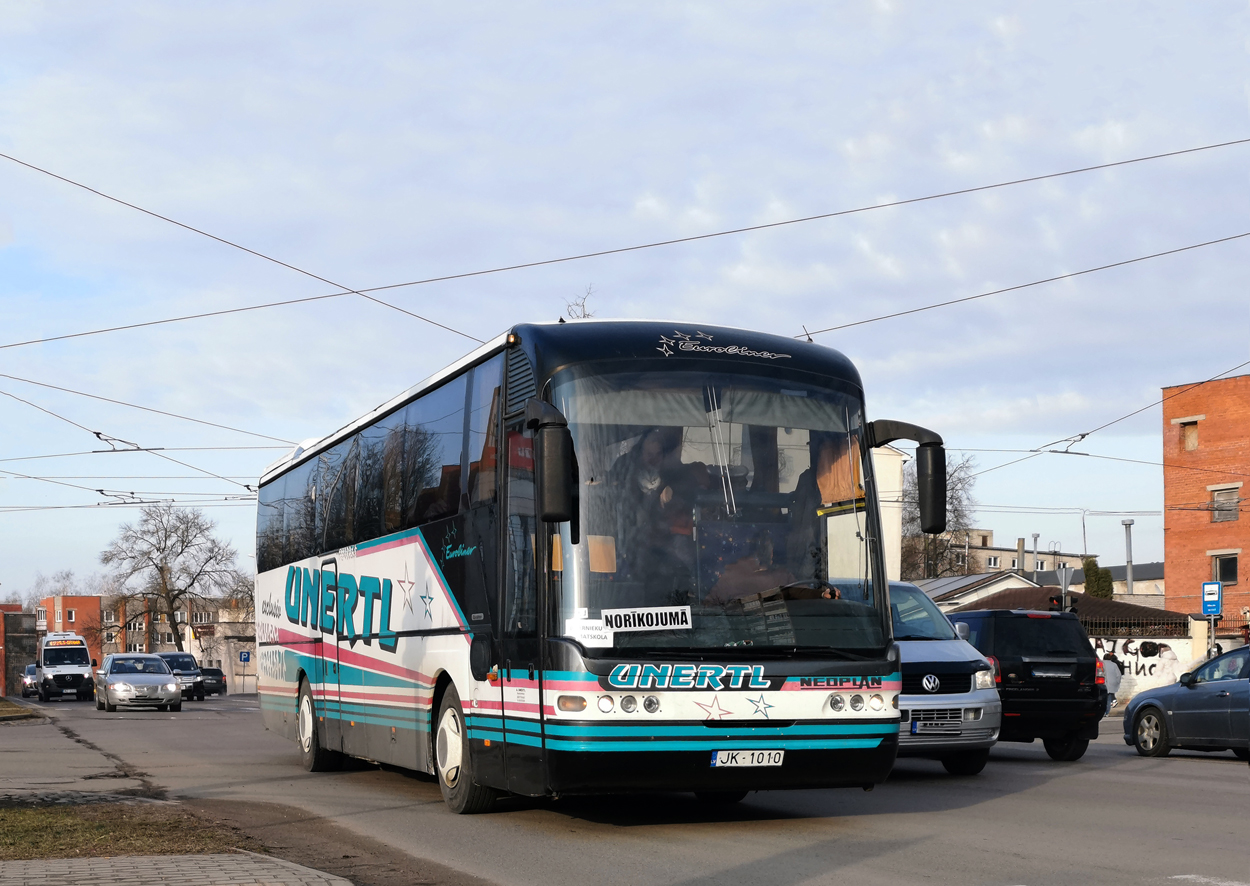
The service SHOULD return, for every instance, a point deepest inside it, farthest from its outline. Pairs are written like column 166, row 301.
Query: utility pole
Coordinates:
column 1128, row 555
column 1035, row 535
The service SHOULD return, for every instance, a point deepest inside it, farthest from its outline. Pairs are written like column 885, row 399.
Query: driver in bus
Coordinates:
column 833, row 484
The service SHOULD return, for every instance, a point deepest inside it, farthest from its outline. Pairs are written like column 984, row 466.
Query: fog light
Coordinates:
column 972, row 713
column 894, row 701
column 876, row 702
column 605, row 703
column 650, row 704
column 571, row 703
column 836, row 703
column 857, row 702
column 629, row 704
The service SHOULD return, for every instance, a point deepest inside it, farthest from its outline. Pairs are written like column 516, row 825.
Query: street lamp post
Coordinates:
column 1128, row 556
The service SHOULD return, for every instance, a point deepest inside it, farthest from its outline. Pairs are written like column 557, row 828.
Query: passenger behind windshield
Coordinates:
column 71, row 656
column 138, row 666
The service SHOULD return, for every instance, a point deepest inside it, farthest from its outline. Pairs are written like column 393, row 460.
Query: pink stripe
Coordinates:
column 573, row 685
column 886, row 686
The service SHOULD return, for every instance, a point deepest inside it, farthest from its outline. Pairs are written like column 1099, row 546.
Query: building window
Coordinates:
column 200, row 618
column 991, row 562
column 1063, row 564
column 58, row 616
column 69, row 616
column 135, row 625
column 985, row 541
column 42, row 615
column 960, row 560
column 1189, row 435
column 1039, row 564
column 180, row 616
column 1225, row 505
column 167, row 638
column 1224, row 568
column 1015, row 562
column 109, row 616
column 134, row 647
column 109, row 636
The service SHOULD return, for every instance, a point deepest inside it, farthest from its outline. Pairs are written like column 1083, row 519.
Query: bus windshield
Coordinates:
column 716, row 511
column 65, row 656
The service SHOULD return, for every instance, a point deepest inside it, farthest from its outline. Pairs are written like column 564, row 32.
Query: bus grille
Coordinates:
column 520, row 381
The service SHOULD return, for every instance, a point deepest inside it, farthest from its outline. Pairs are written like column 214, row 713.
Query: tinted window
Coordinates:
column 65, row 656
column 181, row 662
column 433, row 444
column 483, row 421
column 270, row 532
column 300, row 512
column 1227, row 667
column 1031, row 635
column 138, row 666
column 30, row 669
column 336, row 495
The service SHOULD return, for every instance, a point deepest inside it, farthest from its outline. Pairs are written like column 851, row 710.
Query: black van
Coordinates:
column 1049, row 679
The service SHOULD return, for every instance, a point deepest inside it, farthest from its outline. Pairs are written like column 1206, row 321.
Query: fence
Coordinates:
column 1163, row 626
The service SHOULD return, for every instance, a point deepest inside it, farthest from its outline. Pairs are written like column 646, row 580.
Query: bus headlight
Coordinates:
column 605, row 703
column 983, row 679
column 573, row 703
column 629, row 704
column 836, row 703
column 650, row 704
column 876, row 703
column 857, row 702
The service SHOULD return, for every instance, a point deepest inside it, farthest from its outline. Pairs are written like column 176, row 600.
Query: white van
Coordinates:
column 949, row 707
column 63, row 666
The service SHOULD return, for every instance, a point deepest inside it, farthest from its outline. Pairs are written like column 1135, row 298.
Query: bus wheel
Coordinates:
column 454, row 763
column 720, row 798
column 314, row 757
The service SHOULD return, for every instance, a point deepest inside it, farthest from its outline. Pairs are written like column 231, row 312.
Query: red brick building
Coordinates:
column 1206, row 461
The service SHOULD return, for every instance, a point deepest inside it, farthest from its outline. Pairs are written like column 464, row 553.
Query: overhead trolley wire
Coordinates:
column 144, row 408
column 347, row 290
column 568, row 258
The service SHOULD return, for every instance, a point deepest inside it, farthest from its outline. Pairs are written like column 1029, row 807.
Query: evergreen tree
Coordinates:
column 1097, row 579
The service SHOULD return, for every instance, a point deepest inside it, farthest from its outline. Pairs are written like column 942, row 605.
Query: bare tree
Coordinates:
column 938, row 556
column 577, row 309
column 167, row 561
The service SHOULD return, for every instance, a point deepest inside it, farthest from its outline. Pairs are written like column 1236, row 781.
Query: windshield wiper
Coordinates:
column 917, row 637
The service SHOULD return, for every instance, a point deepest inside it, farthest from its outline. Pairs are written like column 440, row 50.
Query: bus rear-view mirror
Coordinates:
column 553, row 454
column 931, row 486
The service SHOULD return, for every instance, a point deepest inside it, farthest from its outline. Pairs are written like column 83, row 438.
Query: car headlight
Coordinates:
column 171, row 687
column 983, row 680
column 123, row 687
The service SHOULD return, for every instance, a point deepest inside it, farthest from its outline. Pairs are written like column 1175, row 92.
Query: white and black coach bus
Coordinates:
column 593, row 557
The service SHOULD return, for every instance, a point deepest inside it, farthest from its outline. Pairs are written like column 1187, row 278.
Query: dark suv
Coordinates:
column 1051, row 683
column 187, row 672
column 214, row 681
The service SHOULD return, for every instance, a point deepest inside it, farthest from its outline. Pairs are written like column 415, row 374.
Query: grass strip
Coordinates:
column 107, row 829
column 9, row 709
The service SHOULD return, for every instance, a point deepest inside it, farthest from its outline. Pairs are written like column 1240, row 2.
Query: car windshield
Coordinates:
column 181, row 662
column 30, row 669
column 916, row 617
column 1041, row 636
column 210, row 672
column 716, row 511
column 138, row 666
column 66, row 656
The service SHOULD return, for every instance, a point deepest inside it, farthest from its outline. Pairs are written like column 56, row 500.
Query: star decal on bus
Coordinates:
column 664, row 346
column 405, row 587
column 703, row 335
column 714, row 710
column 761, row 706
column 427, row 598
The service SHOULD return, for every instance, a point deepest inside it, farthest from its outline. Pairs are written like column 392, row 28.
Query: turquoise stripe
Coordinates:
column 518, row 724
column 643, row 731
column 489, row 734
column 726, row 745
column 532, row 741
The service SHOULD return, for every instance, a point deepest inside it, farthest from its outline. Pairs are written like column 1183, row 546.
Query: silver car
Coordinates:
column 949, row 707
column 136, row 679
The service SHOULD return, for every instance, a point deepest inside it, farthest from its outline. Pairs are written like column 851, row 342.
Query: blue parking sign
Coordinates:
column 245, row 656
column 1212, row 598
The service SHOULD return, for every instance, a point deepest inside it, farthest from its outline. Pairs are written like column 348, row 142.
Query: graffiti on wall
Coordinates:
column 1145, row 663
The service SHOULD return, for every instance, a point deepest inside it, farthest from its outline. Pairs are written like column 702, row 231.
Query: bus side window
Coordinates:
column 270, row 534
column 520, row 610
column 300, row 520
column 433, row 444
column 483, row 431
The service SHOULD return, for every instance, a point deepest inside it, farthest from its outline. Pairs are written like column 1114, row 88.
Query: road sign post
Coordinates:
column 1212, row 607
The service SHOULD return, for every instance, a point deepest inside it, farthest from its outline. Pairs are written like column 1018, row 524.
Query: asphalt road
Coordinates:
column 1111, row 818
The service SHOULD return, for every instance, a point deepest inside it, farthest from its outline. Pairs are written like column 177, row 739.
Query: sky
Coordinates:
column 398, row 142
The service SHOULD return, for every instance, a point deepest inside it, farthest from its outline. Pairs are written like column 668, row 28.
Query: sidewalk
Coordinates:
column 42, row 766
column 241, row 869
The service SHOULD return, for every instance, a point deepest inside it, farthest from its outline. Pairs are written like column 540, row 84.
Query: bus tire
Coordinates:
column 314, row 756
column 453, row 761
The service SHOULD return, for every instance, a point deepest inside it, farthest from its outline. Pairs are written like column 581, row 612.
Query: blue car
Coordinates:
column 1206, row 710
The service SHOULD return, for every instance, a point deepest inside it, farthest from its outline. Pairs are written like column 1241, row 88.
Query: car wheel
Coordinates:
column 99, row 703
column 109, row 706
column 1067, row 749
column 43, row 695
column 315, row 757
column 1242, row 753
column 176, row 707
column 1150, row 735
column 966, row 762
column 454, row 763
column 199, row 696
column 223, row 692
column 720, row 798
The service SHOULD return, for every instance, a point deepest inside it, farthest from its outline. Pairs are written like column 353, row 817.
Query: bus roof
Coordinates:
column 651, row 343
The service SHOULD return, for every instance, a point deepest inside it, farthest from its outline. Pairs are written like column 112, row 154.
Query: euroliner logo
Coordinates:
column 931, row 683
column 701, row 343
